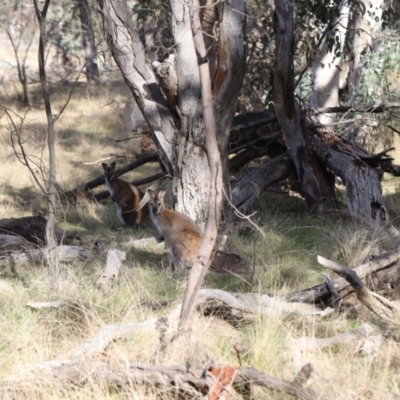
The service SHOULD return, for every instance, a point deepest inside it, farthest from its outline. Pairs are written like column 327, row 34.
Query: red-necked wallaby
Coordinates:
column 127, row 198
column 182, row 236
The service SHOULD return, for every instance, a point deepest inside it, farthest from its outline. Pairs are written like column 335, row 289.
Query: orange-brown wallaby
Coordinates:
column 182, row 236
column 127, row 198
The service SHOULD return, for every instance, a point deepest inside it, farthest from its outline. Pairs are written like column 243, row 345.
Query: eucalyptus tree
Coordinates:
column 170, row 97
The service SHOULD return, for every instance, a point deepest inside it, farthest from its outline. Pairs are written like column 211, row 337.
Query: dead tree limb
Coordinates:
column 231, row 306
column 359, row 287
column 294, row 388
column 321, row 293
column 118, row 172
column 115, row 258
column 33, row 229
column 344, row 109
column 246, row 192
column 255, row 119
column 175, row 379
column 64, row 254
column 312, row 343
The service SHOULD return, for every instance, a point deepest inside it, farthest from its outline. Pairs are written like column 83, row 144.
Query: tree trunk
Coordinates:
column 192, row 169
column 182, row 143
column 367, row 23
column 312, row 179
column 128, row 52
column 327, row 65
column 92, row 69
column 51, row 184
column 228, row 79
column 204, row 255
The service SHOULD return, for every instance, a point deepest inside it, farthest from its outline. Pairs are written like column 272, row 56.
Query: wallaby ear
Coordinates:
column 151, row 193
column 161, row 194
column 105, row 166
column 112, row 166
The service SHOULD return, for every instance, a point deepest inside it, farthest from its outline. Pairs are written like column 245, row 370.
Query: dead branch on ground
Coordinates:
column 115, row 258
column 360, row 289
column 64, row 253
column 322, row 294
column 175, row 379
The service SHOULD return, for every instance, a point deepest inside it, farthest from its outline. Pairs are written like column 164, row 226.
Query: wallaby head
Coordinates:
column 156, row 201
column 127, row 198
column 181, row 234
column 109, row 171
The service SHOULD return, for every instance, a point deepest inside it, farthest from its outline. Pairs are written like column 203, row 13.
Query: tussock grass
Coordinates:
column 282, row 261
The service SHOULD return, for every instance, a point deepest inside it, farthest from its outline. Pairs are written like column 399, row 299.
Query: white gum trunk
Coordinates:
column 327, row 67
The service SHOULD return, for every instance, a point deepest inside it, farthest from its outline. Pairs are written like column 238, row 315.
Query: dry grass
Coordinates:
column 283, row 261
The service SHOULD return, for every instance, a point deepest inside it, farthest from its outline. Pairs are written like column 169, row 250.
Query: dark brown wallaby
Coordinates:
column 127, row 198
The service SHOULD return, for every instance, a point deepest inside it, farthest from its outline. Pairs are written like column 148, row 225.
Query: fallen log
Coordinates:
column 363, row 336
column 115, row 258
column 175, row 379
column 45, row 304
column 231, row 306
column 11, row 242
column 312, row 343
column 33, row 229
column 248, row 189
column 65, row 254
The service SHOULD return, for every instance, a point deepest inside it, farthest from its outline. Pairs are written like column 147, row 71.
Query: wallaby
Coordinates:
column 182, row 236
column 127, row 198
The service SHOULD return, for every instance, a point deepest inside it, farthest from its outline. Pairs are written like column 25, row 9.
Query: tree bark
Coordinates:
column 192, row 168
column 128, row 52
column 367, row 23
column 92, row 69
column 247, row 191
column 205, row 253
column 183, row 142
column 228, row 79
column 327, row 65
column 363, row 183
column 52, row 179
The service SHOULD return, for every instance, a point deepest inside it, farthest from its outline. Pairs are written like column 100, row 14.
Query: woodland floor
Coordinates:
column 279, row 261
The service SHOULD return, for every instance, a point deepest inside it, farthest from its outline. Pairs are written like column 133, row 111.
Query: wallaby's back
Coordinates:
column 127, row 198
column 182, row 236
